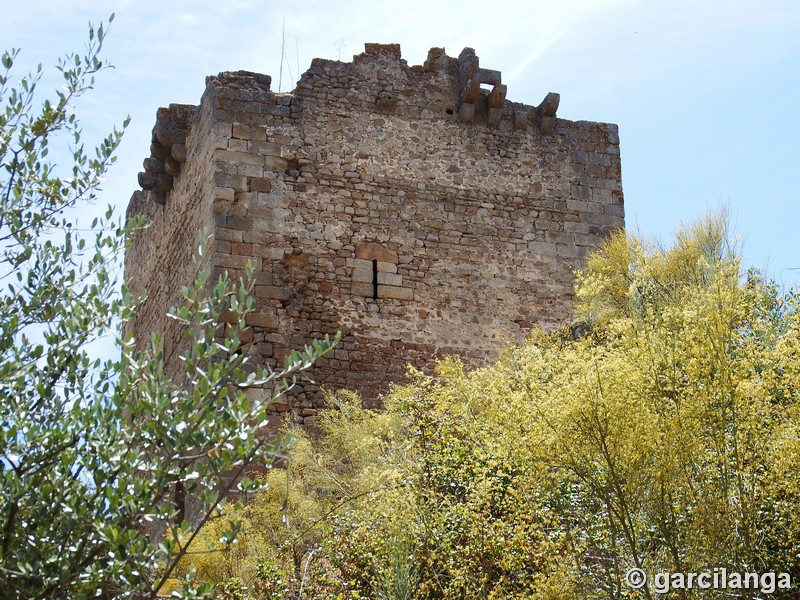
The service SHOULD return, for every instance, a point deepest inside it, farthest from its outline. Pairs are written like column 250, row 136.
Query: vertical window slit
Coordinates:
column 374, row 279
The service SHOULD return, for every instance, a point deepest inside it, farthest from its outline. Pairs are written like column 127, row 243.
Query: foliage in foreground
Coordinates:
column 661, row 434
column 95, row 452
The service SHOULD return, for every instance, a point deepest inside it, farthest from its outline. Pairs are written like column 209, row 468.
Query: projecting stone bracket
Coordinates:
column 470, row 79
column 543, row 116
column 167, row 151
column 546, row 113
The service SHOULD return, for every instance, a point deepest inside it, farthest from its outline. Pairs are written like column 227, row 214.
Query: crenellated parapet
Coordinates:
column 378, row 81
column 452, row 89
column 470, row 79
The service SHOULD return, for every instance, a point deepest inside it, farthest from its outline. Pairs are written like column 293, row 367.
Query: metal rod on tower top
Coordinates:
column 283, row 52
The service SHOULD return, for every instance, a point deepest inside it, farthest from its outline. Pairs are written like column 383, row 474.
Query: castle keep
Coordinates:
column 415, row 209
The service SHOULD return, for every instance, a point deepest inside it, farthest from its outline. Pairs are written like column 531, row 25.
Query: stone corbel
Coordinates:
column 546, row 113
column 470, row 78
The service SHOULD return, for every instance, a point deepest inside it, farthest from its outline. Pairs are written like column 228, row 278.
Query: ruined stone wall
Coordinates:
column 414, row 209
column 162, row 255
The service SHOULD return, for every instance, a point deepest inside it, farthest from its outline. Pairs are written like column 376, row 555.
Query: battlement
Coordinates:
column 450, row 88
column 415, row 209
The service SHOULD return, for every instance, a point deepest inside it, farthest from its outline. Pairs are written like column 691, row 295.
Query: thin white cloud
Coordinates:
column 554, row 21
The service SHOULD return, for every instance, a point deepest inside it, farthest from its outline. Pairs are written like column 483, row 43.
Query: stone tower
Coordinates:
column 414, row 209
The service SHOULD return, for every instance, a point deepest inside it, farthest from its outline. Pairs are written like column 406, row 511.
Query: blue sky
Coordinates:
column 705, row 92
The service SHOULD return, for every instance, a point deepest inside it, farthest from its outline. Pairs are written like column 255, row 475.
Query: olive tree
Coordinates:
column 92, row 449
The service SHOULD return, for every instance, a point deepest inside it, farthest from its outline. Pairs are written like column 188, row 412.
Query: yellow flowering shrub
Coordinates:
column 661, row 434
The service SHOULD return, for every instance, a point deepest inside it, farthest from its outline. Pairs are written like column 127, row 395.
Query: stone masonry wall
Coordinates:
column 414, row 209
column 161, row 256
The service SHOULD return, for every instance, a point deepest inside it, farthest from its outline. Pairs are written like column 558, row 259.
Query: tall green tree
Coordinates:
column 93, row 450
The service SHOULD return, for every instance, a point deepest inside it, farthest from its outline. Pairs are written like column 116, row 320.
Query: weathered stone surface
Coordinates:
column 549, row 105
column 363, row 276
column 547, row 113
column 373, row 251
column 158, row 151
column 520, row 119
column 392, row 50
column 472, row 99
column 260, row 184
column 466, row 214
column 386, row 267
column 361, row 288
column 386, row 103
column 389, row 279
column 172, row 166
column 158, row 195
column 242, row 80
column 178, row 152
column 249, row 132
column 153, row 166
column 172, row 124
column 165, row 181
column 399, row 293
column 147, row 181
